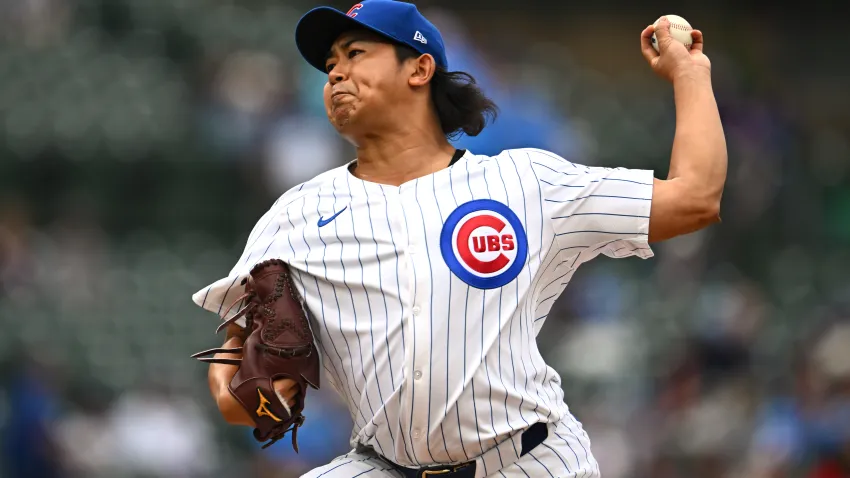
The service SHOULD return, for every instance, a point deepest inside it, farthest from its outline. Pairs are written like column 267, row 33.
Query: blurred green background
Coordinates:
column 142, row 139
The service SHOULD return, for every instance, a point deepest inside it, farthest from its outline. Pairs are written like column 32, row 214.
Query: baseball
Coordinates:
column 680, row 30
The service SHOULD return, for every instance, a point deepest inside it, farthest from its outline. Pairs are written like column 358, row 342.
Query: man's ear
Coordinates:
column 425, row 67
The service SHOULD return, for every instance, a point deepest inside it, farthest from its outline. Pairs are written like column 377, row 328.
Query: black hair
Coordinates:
column 460, row 104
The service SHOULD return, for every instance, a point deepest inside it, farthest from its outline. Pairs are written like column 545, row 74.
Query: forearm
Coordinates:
column 699, row 155
column 220, row 375
column 219, row 378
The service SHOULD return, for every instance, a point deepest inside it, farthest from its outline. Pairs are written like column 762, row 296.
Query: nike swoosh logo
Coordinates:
column 325, row 222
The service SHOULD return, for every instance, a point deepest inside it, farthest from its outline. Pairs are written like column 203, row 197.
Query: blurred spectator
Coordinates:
column 16, row 261
column 73, row 271
column 34, row 22
column 245, row 96
column 83, row 432
column 830, row 422
column 299, row 148
column 157, row 433
column 30, row 445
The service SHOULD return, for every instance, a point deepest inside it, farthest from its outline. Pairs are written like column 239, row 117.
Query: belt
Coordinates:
column 531, row 437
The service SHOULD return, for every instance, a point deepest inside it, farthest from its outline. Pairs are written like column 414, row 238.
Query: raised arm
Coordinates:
column 689, row 199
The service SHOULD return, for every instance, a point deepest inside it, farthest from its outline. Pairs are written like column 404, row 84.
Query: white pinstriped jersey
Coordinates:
column 426, row 299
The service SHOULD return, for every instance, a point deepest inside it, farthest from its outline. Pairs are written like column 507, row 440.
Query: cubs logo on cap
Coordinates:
column 484, row 244
column 399, row 22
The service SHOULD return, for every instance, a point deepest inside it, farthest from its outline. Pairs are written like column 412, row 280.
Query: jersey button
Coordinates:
column 417, row 374
column 416, row 310
column 416, row 433
column 411, row 250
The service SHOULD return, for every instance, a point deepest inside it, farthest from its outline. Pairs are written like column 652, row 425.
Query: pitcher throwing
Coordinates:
column 426, row 273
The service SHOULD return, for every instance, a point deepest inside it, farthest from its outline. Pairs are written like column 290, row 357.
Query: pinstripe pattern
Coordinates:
column 433, row 369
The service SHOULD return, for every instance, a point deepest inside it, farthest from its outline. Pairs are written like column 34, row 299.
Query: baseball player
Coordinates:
column 425, row 273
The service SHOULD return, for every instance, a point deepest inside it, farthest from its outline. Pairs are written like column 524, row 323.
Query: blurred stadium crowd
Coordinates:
column 141, row 140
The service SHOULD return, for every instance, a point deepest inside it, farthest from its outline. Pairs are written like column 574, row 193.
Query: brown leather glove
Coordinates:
column 279, row 344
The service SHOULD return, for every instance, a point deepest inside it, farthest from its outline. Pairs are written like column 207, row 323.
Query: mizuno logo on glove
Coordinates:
column 263, row 410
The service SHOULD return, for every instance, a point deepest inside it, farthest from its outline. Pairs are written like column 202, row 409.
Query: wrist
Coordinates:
column 692, row 74
column 235, row 331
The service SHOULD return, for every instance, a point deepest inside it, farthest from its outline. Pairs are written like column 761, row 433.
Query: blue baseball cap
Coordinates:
column 400, row 22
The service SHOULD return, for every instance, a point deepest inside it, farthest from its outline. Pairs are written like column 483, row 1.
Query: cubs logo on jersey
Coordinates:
column 484, row 244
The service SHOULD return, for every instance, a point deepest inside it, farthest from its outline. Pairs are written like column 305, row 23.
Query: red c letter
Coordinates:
column 352, row 13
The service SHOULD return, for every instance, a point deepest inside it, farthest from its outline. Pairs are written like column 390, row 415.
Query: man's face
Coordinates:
column 365, row 81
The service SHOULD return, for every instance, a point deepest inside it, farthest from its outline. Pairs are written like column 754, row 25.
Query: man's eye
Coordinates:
column 330, row 67
column 354, row 53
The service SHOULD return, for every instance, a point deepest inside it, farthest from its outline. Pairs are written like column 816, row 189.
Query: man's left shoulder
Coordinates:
column 525, row 156
column 529, row 160
column 517, row 155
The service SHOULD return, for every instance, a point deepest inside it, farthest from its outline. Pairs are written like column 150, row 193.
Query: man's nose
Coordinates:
column 337, row 75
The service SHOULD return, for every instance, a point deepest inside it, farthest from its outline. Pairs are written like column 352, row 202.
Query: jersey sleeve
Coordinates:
column 594, row 210
column 262, row 244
